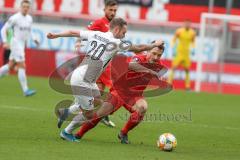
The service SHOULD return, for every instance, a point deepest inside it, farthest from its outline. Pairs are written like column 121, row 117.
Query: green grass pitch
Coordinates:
column 28, row 128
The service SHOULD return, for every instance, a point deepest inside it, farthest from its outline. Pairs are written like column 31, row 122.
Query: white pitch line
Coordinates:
column 23, row 108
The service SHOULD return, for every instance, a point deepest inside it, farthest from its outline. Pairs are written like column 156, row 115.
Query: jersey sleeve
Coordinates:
column 9, row 24
column 85, row 34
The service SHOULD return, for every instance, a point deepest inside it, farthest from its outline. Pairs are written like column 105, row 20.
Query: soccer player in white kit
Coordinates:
column 101, row 48
column 20, row 23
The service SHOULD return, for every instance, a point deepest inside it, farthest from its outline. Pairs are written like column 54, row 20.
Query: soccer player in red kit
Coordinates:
column 127, row 90
column 102, row 25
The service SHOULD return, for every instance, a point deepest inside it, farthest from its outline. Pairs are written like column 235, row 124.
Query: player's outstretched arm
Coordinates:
column 63, row 34
column 145, row 47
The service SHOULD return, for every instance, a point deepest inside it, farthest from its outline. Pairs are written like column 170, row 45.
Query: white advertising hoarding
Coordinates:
column 136, row 37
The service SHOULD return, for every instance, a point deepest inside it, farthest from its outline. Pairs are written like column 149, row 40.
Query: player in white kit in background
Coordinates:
column 101, row 48
column 21, row 23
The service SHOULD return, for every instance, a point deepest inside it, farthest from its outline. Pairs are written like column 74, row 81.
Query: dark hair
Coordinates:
column 25, row 1
column 159, row 47
column 110, row 3
column 117, row 22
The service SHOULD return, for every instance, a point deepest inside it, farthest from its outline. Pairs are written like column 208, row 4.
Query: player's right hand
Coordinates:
column 6, row 46
column 51, row 36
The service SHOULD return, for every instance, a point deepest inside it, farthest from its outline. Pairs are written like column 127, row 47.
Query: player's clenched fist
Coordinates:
column 159, row 43
column 51, row 36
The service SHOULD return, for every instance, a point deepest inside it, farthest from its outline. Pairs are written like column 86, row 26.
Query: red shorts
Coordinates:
column 105, row 78
column 119, row 101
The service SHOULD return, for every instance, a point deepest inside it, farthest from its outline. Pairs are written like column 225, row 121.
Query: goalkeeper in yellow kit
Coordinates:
column 184, row 40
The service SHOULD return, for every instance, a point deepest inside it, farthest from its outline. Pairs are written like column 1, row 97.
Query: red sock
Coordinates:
column 88, row 125
column 133, row 121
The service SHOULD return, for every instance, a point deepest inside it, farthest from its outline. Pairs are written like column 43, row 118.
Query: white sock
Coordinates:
column 22, row 79
column 4, row 70
column 74, row 109
column 77, row 121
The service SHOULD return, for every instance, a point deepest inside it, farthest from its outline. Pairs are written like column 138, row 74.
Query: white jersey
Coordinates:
column 101, row 48
column 21, row 26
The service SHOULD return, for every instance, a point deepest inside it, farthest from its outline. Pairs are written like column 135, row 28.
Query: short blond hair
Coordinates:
column 117, row 22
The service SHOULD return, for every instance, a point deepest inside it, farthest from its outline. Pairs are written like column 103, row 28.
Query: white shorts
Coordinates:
column 17, row 52
column 83, row 92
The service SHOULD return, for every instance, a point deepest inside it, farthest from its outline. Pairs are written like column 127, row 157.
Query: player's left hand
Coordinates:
column 51, row 36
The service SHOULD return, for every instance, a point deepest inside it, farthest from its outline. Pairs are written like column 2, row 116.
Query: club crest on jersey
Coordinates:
column 91, row 23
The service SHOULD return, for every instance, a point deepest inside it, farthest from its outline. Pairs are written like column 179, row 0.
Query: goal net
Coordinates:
column 218, row 53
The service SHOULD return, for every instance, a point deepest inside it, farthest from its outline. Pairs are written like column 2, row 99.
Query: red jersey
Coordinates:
column 100, row 25
column 103, row 26
column 131, row 83
column 128, row 86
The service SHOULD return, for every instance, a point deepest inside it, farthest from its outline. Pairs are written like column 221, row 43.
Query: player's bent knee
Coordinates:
column 142, row 108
